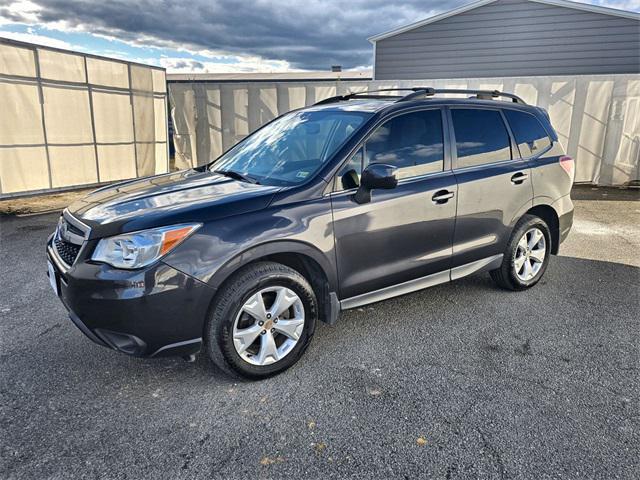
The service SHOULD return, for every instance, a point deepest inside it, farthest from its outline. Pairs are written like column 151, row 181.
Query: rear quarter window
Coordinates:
column 530, row 135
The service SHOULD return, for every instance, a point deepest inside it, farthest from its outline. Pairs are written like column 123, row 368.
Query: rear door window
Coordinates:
column 481, row 137
column 529, row 133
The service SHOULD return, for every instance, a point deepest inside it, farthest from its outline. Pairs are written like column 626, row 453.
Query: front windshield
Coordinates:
column 290, row 149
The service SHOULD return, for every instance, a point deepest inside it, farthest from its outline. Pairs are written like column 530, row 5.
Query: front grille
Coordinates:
column 66, row 251
column 73, row 229
column 68, row 238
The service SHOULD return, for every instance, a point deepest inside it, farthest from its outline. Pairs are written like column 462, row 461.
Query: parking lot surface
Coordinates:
column 458, row 381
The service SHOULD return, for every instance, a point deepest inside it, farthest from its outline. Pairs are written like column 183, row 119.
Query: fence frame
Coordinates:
column 41, row 82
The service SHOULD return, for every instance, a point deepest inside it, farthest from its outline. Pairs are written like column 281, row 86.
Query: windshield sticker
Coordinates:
column 302, row 174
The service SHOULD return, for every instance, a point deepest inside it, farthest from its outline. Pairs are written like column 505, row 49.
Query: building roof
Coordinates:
column 465, row 8
column 270, row 77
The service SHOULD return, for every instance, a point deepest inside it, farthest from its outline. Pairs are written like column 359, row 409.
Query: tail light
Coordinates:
column 568, row 165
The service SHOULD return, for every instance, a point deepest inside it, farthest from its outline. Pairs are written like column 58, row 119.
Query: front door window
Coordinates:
column 412, row 142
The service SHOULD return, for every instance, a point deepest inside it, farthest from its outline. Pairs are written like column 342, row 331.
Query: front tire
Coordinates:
column 527, row 255
column 262, row 321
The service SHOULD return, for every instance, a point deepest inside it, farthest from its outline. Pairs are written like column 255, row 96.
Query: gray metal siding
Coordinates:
column 512, row 38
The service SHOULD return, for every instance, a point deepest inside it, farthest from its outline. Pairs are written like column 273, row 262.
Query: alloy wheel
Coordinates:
column 530, row 254
column 268, row 326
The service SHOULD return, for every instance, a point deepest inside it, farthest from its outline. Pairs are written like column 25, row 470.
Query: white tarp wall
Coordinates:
column 69, row 119
column 597, row 117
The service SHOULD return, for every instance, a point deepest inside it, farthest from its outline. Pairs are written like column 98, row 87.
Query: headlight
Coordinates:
column 139, row 249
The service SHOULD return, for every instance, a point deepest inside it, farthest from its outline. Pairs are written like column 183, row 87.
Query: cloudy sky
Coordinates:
column 223, row 35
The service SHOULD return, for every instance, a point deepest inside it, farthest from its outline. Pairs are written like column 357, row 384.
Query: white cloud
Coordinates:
column 225, row 64
column 39, row 40
column 630, row 5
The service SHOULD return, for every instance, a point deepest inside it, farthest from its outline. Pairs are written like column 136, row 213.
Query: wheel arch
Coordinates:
column 550, row 216
column 309, row 261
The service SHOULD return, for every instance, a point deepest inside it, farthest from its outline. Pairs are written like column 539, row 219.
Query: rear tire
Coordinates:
column 247, row 335
column 526, row 256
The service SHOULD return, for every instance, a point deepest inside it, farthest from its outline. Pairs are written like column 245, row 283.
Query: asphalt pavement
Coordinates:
column 458, row 381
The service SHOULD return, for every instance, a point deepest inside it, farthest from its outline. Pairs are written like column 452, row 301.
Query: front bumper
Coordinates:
column 156, row 311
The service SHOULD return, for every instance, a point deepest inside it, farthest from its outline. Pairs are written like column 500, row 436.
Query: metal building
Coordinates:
column 509, row 38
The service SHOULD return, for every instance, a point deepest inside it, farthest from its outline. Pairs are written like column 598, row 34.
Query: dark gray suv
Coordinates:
column 354, row 200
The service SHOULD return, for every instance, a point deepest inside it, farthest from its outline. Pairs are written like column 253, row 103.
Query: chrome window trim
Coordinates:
column 539, row 154
column 402, row 181
column 492, row 164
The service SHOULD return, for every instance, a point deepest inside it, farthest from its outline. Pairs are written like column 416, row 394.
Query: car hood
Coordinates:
column 185, row 196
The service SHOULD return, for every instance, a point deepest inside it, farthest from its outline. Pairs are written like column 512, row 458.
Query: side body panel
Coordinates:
column 399, row 236
column 550, row 181
column 552, row 186
column 489, row 203
column 488, row 207
column 222, row 246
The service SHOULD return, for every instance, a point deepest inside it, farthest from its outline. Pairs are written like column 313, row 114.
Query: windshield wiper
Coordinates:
column 237, row 176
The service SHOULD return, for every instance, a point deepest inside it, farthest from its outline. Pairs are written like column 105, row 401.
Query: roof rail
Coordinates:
column 367, row 94
column 419, row 92
column 480, row 94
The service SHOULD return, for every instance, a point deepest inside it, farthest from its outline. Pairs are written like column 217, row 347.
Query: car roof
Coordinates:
column 355, row 105
column 390, row 104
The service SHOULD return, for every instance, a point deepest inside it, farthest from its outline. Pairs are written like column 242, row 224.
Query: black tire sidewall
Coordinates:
column 220, row 329
column 526, row 224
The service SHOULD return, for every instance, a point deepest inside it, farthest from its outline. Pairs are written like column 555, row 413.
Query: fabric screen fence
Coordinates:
column 597, row 117
column 68, row 119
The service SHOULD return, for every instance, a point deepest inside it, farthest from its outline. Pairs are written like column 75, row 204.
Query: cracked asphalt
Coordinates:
column 458, row 381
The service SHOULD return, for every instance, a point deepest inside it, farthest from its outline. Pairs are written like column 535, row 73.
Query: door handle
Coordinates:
column 441, row 196
column 519, row 178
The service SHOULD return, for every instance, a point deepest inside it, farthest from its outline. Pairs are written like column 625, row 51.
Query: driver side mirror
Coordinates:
column 376, row 175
